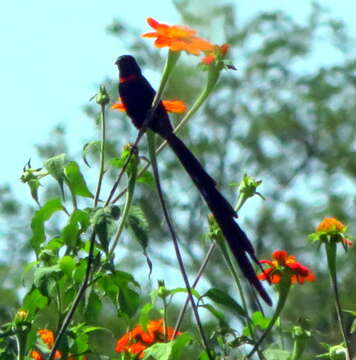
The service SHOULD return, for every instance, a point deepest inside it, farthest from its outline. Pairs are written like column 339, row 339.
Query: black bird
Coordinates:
column 137, row 96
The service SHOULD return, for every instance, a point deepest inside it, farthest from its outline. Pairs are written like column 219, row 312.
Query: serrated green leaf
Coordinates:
column 104, row 225
column 222, row 298
column 89, row 146
column 76, row 181
column 169, row 351
column 55, row 167
column 38, row 220
column 67, row 265
column 137, row 222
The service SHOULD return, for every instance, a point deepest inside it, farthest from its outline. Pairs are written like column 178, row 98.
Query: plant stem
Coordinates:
column 331, row 256
column 151, row 147
column 102, row 154
column 125, row 212
column 76, row 301
column 284, row 287
column 195, row 283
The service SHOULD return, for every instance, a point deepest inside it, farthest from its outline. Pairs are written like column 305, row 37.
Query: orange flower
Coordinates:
column 285, row 265
column 173, row 106
column 47, row 337
column 36, row 355
column 177, row 38
column 335, row 228
column 138, row 339
column 331, row 224
column 214, row 54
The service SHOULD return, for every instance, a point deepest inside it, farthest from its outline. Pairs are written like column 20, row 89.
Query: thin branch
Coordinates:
column 175, row 242
column 68, row 318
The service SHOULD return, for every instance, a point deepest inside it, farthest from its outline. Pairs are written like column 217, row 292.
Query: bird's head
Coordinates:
column 127, row 65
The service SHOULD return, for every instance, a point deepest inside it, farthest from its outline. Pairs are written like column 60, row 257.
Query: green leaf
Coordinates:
column 276, row 354
column 34, row 301
column 146, row 178
column 67, row 265
column 353, row 327
column 103, row 220
column 93, row 307
column 260, row 320
column 129, row 301
column 222, row 298
column 144, row 315
column 46, row 277
column 169, row 351
column 34, row 184
column 117, row 162
column 218, row 314
column 55, row 167
column 137, row 222
column 38, row 220
column 88, row 147
column 79, row 271
column 76, row 180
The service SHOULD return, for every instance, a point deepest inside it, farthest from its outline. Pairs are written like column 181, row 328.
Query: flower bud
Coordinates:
column 102, row 98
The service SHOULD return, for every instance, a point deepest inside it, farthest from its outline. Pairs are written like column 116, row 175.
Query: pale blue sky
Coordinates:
column 55, row 54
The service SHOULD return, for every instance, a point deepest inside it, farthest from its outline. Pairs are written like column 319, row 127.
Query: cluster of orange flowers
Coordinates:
column 284, row 264
column 136, row 341
column 47, row 337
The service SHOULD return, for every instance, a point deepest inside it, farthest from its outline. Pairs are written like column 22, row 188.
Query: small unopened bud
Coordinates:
column 102, row 97
column 21, row 316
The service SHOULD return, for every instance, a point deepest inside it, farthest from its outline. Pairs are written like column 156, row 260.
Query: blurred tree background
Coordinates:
column 282, row 117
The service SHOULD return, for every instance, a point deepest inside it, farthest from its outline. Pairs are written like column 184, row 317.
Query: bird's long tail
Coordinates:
column 223, row 212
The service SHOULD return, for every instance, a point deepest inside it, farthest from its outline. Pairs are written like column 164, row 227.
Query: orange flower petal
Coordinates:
column 152, row 22
column 280, row 256
column 174, row 106
column 118, row 106
column 36, row 355
column 347, row 242
column 177, row 38
column 331, row 224
column 47, row 337
column 149, row 35
column 209, row 59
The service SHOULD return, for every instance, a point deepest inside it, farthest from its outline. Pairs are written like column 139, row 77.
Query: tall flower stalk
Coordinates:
column 329, row 233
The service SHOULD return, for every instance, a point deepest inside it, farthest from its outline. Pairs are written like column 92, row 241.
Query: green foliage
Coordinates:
column 171, row 350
